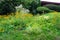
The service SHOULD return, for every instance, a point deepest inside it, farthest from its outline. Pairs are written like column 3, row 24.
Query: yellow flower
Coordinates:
column 1, row 30
column 54, row 18
column 6, row 17
column 0, row 16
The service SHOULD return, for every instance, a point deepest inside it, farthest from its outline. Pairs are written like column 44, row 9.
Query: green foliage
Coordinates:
column 16, row 2
column 39, row 27
column 6, row 7
column 53, row 7
column 31, row 5
column 43, row 10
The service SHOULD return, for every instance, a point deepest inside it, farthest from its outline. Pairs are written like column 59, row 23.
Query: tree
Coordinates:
column 31, row 5
column 6, row 7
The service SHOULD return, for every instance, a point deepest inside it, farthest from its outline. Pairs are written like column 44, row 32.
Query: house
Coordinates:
column 44, row 2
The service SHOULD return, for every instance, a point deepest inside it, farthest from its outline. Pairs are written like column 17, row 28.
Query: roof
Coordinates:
column 54, row 1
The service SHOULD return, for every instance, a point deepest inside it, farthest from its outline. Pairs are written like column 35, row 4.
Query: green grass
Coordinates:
column 28, row 27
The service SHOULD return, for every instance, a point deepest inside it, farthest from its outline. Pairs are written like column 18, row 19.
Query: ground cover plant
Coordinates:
column 23, row 24
column 28, row 27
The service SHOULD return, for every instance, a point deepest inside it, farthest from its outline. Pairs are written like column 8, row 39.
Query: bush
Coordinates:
column 6, row 7
column 53, row 7
column 43, row 10
column 31, row 5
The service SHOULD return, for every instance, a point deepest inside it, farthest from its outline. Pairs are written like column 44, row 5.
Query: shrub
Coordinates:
column 53, row 7
column 6, row 7
column 31, row 5
column 43, row 10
